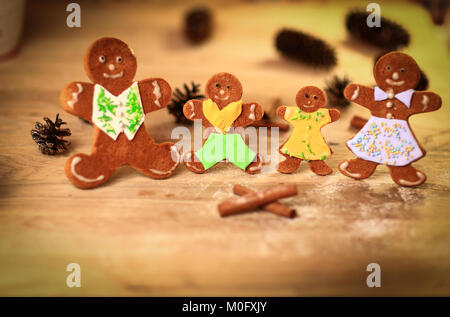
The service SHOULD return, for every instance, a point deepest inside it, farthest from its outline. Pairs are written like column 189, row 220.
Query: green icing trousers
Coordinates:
column 225, row 146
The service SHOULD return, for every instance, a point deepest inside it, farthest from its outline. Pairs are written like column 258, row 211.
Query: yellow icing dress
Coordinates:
column 306, row 141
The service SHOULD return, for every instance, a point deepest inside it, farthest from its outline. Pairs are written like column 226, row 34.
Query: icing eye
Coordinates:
column 306, row 95
column 228, row 87
column 101, row 59
column 315, row 97
column 217, row 85
column 119, row 59
column 388, row 68
column 402, row 70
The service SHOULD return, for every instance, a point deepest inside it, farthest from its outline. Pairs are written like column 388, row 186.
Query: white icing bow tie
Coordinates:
column 404, row 96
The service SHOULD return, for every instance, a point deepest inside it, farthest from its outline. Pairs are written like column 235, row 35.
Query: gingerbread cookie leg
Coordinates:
column 320, row 167
column 288, row 164
column 407, row 175
column 156, row 160
column 192, row 164
column 89, row 171
column 357, row 168
column 256, row 166
column 238, row 153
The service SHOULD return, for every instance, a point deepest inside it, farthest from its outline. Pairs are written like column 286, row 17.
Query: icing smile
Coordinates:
column 312, row 106
column 118, row 75
column 394, row 83
column 222, row 98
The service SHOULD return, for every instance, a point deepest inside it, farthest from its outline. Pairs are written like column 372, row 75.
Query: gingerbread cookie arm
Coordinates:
column 155, row 93
column 284, row 112
column 193, row 109
column 360, row 94
column 424, row 102
column 250, row 113
column 334, row 114
column 76, row 98
column 281, row 110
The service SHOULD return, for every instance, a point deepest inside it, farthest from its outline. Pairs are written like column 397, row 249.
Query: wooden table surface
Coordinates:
column 143, row 237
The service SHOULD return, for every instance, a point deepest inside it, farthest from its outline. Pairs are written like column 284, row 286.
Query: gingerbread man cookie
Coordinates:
column 387, row 137
column 225, row 112
column 116, row 105
column 306, row 141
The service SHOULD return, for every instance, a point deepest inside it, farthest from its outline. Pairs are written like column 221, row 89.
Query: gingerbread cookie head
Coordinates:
column 397, row 72
column 110, row 63
column 223, row 88
column 310, row 99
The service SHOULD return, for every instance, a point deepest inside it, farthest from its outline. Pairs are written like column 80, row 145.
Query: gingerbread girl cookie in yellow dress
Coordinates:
column 306, row 141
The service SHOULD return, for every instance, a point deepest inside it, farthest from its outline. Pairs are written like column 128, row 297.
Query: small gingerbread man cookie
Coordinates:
column 387, row 137
column 306, row 141
column 225, row 112
column 116, row 105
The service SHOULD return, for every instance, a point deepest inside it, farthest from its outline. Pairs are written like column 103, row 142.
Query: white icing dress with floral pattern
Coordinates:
column 386, row 141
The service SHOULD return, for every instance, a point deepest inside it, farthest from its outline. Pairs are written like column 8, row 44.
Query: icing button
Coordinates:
column 122, row 125
column 389, row 115
column 389, row 104
column 390, row 94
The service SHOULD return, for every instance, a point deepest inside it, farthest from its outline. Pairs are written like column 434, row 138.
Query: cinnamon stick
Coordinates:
column 254, row 200
column 275, row 207
column 358, row 122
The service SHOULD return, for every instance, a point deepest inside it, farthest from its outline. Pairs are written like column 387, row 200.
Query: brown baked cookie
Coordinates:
column 116, row 105
column 387, row 137
column 306, row 141
column 224, row 113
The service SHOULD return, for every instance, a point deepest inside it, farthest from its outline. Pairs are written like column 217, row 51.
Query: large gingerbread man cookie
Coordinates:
column 387, row 137
column 224, row 112
column 116, row 105
column 306, row 141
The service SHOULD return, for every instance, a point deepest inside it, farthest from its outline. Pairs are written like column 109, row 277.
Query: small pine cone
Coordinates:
column 423, row 82
column 335, row 92
column 180, row 98
column 49, row 136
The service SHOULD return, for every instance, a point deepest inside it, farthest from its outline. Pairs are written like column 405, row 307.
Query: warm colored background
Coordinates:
column 137, row 236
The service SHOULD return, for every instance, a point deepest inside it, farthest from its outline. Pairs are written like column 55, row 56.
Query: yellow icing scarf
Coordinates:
column 223, row 119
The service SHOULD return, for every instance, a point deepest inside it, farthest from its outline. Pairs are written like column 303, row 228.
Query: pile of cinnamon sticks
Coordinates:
column 267, row 200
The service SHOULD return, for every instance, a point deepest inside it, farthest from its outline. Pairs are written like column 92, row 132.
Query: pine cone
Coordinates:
column 305, row 48
column 180, row 98
column 49, row 136
column 335, row 92
column 389, row 36
column 437, row 9
column 198, row 24
column 423, row 82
